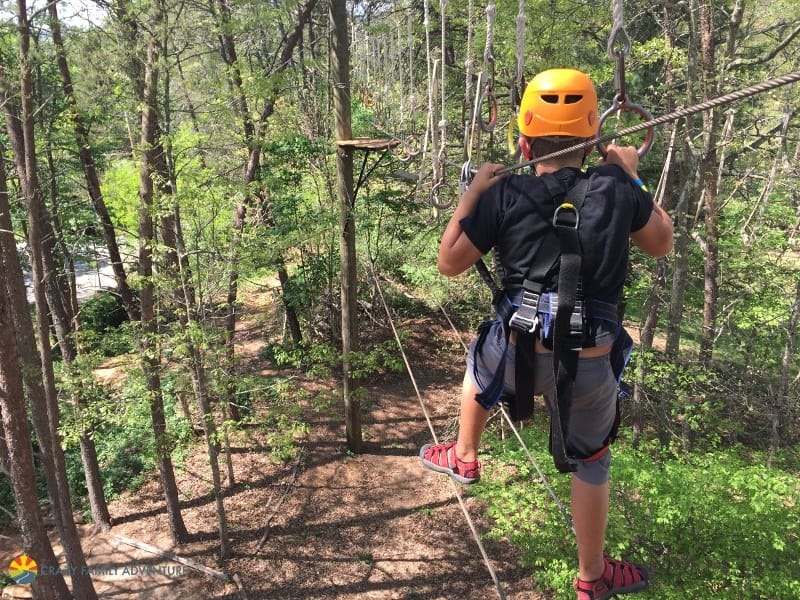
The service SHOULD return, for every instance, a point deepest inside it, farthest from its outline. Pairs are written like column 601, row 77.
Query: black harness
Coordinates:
column 538, row 312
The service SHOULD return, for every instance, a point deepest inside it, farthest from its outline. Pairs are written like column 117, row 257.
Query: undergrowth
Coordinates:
column 709, row 525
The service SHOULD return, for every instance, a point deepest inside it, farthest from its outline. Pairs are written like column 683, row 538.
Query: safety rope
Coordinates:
column 487, row 96
column 752, row 90
column 618, row 34
column 470, row 522
column 518, row 84
column 469, row 64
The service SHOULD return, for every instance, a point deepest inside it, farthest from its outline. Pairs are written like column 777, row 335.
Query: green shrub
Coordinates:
column 710, row 525
column 102, row 311
column 105, row 329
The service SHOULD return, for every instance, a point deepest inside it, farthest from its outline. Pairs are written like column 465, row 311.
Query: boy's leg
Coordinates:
column 589, row 517
column 472, row 422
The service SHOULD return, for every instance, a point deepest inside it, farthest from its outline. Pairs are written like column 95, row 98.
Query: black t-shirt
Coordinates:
column 514, row 215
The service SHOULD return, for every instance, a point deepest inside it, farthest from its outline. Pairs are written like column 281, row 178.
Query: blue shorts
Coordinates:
column 594, row 399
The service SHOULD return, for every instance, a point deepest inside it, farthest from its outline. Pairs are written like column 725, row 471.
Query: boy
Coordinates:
column 515, row 215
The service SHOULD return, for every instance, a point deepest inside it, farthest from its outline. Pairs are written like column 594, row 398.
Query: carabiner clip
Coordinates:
column 466, row 176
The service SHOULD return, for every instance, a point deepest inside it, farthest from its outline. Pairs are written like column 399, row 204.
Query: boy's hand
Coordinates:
column 485, row 177
column 623, row 156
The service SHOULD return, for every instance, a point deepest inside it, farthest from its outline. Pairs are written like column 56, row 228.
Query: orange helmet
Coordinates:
column 559, row 102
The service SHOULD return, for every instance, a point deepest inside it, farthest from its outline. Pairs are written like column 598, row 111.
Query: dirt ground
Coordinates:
column 332, row 525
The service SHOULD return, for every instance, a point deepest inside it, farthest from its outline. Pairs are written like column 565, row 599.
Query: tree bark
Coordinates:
column 43, row 398
column 18, row 446
column 20, row 460
column 39, row 383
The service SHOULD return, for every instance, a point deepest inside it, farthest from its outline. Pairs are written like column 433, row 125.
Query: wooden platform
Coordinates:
column 369, row 143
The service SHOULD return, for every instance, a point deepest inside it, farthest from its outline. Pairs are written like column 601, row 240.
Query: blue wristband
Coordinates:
column 641, row 184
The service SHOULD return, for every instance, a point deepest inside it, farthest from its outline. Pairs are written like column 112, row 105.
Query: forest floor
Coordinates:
column 331, row 524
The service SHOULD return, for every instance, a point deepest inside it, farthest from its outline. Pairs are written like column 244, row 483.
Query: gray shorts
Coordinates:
column 594, row 400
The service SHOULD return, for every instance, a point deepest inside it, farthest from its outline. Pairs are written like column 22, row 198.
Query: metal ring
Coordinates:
column 436, row 191
column 619, row 105
column 411, row 145
column 488, row 127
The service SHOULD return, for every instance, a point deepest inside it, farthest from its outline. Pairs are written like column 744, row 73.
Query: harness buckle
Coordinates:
column 526, row 319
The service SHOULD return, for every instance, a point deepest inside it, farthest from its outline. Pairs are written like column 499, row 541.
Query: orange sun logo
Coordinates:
column 23, row 569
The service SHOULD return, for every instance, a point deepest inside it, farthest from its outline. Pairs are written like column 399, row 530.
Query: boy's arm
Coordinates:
column 456, row 252
column 656, row 237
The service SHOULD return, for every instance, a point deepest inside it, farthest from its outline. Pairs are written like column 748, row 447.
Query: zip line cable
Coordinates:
column 470, row 523
column 752, row 90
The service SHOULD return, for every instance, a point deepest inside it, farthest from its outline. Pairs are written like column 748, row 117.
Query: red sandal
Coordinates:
column 442, row 459
column 618, row 578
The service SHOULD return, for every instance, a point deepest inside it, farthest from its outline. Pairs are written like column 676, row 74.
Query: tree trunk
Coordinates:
column 687, row 184
column 90, row 170
column 655, row 300
column 782, row 406
column 148, row 344
column 291, row 314
column 340, row 73
column 20, row 454
column 708, row 167
column 191, row 321
column 39, row 382
column 43, row 399
column 51, row 305
column 252, row 136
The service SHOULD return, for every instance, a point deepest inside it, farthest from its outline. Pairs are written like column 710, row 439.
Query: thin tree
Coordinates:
column 148, row 342
column 782, row 403
column 656, row 297
column 253, row 133
column 90, row 169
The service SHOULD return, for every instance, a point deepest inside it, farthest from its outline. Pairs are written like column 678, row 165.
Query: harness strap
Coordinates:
column 547, row 258
column 566, row 345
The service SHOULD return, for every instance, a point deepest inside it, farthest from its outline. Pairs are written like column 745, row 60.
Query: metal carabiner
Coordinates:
column 619, row 76
column 466, row 177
